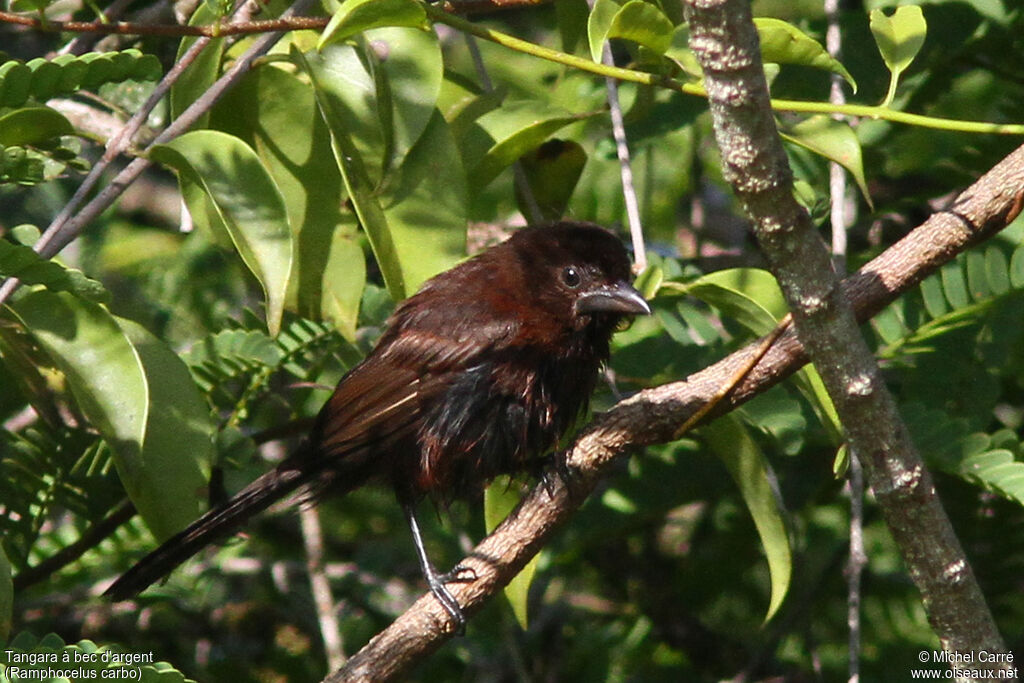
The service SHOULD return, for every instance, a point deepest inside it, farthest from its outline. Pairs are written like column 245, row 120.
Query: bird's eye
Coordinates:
column 571, row 277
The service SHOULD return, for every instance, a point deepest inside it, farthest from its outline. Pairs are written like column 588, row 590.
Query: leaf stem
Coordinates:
column 645, row 78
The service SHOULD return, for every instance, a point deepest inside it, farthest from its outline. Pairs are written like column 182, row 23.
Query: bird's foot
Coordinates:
column 436, row 582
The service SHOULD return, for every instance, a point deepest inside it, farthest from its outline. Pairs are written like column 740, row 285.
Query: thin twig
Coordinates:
column 330, row 630
column 58, row 235
column 87, row 541
column 837, row 186
column 636, row 230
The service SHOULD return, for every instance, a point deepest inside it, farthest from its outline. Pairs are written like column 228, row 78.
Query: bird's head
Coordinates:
column 580, row 274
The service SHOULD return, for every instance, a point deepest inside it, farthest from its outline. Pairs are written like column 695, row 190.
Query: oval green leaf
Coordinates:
column 247, row 200
column 332, row 92
column 783, row 43
column 276, row 112
column 899, row 37
column 409, row 71
column 426, row 206
column 356, row 16
column 32, row 125
column 109, row 383
column 835, row 141
column 643, row 23
column 751, row 296
column 178, row 444
column 515, row 129
column 600, row 20
column 202, row 72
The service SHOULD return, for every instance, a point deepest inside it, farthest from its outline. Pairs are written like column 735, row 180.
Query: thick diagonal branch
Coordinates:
column 652, row 416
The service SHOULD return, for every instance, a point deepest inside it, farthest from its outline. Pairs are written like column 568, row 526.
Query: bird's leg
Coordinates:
column 435, row 580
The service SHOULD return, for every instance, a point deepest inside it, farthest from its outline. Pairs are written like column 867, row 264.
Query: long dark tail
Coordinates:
column 215, row 525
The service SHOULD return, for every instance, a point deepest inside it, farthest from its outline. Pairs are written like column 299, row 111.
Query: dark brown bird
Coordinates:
column 482, row 370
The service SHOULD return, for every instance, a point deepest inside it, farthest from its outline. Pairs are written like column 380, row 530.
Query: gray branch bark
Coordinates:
column 723, row 37
column 653, row 416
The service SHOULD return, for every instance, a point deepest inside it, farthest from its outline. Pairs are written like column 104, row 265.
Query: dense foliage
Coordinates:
column 163, row 355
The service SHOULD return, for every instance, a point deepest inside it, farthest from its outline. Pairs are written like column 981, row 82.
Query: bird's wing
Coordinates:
column 382, row 400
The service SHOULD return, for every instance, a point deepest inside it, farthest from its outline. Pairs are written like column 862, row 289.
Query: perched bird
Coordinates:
column 482, row 370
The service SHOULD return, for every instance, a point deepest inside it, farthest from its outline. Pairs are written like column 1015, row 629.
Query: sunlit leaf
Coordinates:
column 276, row 112
column 202, row 72
column 835, row 141
column 246, row 199
column 109, row 380
column 515, row 129
column 330, row 85
column 356, row 16
column 783, row 43
column 642, row 23
column 426, row 206
column 899, row 38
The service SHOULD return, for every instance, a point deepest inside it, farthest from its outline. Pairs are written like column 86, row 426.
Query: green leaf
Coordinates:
column 331, row 87
column 642, row 23
column 409, row 71
column 356, row 16
column 32, row 125
column 934, row 299
column 955, row 285
column 1017, row 268
column 108, row 379
column 246, row 199
column 600, row 20
column 997, row 271
column 426, row 206
column 515, row 129
column 500, row 499
column 752, row 297
column 20, row 261
column 977, row 283
column 749, row 295
column 276, row 112
column 178, row 445
column 899, row 39
column 783, row 43
column 649, row 282
column 679, row 52
column 552, row 171
column 729, row 439
column 834, row 140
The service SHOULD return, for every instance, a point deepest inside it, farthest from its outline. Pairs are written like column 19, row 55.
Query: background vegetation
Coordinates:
column 203, row 317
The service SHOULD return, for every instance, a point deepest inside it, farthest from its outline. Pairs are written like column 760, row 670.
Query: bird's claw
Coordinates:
column 436, row 582
column 460, row 573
